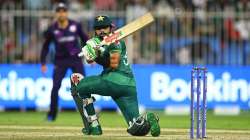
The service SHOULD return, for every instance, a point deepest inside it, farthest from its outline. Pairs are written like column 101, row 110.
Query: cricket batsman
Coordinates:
column 116, row 80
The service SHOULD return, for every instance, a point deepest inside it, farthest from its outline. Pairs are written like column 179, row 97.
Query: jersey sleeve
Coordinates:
column 115, row 47
column 101, row 60
column 123, row 46
column 45, row 48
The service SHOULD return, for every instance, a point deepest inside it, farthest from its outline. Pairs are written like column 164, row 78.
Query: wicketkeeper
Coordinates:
column 116, row 80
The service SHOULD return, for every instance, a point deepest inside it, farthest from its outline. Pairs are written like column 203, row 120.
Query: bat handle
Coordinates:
column 80, row 54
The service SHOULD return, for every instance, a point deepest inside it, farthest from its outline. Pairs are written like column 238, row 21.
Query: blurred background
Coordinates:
column 211, row 33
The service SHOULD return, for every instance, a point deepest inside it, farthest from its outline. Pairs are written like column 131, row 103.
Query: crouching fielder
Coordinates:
column 116, row 80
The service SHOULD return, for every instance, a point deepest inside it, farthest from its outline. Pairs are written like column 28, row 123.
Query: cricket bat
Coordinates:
column 127, row 30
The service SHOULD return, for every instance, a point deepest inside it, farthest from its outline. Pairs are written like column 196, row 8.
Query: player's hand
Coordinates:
column 89, row 53
column 44, row 68
column 94, row 43
column 91, row 50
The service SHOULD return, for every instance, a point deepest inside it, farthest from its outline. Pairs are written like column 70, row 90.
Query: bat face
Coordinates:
column 128, row 29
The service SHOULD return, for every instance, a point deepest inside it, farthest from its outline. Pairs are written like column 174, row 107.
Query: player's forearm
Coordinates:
column 43, row 57
column 44, row 52
column 100, row 60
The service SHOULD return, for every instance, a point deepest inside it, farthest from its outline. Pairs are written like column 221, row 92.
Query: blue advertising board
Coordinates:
column 158, row 86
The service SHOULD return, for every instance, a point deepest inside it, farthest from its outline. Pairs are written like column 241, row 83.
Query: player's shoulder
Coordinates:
column 51, row 28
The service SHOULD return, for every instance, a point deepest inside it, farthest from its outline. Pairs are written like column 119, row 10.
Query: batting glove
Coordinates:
column 89, row 50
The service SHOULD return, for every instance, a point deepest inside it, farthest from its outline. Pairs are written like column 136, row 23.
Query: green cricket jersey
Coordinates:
column 123, row 74
column 118, row 83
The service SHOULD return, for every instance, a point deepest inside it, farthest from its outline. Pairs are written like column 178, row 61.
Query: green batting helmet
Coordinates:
column 102, row 21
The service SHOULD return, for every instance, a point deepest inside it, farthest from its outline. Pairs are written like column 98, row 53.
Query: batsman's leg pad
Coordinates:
column 90, row 119
column 94, row 126
column 79, row 104
column 139, row 127
column 88, row 101
column 76, row 78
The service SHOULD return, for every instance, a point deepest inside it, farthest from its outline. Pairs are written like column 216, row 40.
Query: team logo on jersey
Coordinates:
column 72, row 28
column 56, row 32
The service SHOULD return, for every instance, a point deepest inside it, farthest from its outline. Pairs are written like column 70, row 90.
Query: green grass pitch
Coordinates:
column 33, row 126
